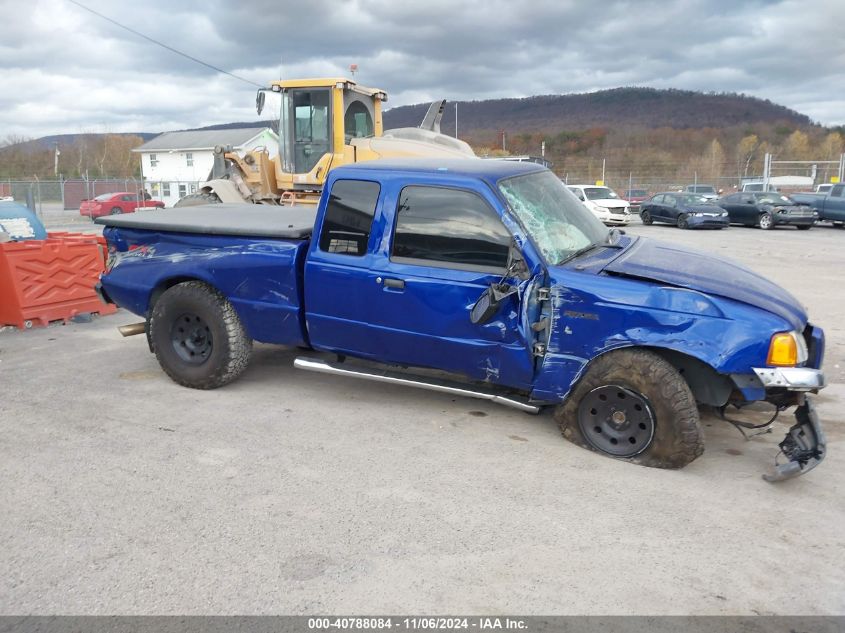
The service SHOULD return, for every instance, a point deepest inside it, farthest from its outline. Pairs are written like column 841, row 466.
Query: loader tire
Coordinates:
column 196, row 199
column 634, row 405
column 197, row 337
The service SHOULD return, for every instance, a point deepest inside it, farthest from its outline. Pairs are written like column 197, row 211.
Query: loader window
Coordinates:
column 357, row 121
column 311, row 127
column 349, row 217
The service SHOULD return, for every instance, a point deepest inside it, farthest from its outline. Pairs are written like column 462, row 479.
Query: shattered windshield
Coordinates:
column 554, row 218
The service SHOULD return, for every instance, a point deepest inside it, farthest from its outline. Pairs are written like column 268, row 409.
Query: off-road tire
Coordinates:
column 678, row 438
column 231, row 346
column 645, row 216
column 766, row 221
column 196, row 199
column 683, row 221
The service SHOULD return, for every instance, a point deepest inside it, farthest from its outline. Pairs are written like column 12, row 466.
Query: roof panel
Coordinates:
column 201, row 139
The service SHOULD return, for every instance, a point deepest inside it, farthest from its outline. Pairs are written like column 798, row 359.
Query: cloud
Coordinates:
column 65, row 70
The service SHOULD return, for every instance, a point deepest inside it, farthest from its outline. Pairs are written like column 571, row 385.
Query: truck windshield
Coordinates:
column 557, row 222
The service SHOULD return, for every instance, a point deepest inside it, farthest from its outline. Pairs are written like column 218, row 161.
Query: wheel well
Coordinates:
column 707, row 385
column 164, row 286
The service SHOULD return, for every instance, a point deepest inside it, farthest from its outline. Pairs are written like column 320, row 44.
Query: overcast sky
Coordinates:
column 64, row 70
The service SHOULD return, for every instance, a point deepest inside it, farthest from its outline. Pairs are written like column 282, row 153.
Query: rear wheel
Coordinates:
column 115, row 211
column 683, row 221
column 634, row 405
column 765, row 221
column 804, row 227
column 645, row 216
column 197, row 336
column 196, row 199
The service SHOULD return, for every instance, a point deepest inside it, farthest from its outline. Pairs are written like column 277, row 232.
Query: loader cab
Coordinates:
column 318, row 120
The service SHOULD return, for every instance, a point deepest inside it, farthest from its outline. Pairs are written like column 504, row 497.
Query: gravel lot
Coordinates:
column 294, row 492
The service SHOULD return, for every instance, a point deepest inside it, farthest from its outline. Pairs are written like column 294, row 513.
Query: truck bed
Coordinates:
column 253, row 220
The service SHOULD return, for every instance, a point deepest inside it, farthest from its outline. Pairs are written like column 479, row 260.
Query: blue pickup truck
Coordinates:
column 830, row 206
column 487, row 279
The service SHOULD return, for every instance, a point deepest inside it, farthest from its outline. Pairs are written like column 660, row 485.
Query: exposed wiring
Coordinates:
column 157, row 43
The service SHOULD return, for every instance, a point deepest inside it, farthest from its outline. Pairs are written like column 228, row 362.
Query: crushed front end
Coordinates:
column 786, row 382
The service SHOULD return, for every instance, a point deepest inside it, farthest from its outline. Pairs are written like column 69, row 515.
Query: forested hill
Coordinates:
column 617, row 108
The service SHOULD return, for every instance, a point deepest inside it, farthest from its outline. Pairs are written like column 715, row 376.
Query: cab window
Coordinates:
column 349, row 217
column 448, row 227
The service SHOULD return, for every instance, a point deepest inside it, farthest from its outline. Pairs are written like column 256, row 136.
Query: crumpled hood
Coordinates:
column 696, row 270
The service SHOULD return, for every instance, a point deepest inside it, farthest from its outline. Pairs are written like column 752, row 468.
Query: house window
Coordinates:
column 153, row 160
column 193, row 187
column 183, row 190
column 165, row 189
column 189, row 159
column 155, row 189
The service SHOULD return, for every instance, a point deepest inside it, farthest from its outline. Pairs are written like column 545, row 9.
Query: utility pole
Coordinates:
column 56, row 160
column 456, row 119
column 543, row 149
column 603, row 161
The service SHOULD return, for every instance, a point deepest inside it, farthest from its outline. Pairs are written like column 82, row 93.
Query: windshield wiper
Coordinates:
column 595, row 245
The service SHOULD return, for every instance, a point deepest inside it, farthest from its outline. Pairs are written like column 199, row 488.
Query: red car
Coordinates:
column 636, row 197
column 116, row 203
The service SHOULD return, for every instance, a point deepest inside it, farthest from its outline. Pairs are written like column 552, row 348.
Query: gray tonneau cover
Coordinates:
column 258, row 220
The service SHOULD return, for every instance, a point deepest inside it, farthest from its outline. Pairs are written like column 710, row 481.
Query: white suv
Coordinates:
column 604, row 202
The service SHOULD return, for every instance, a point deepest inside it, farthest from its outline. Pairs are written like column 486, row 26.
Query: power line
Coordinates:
column 156, row 42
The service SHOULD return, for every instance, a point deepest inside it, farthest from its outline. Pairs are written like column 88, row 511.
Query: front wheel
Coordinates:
column 197, row 337
column 116, row 211
column 766, row 222
column 634, row 405
column 645, row 216
column 804, row 227
column 683, row 221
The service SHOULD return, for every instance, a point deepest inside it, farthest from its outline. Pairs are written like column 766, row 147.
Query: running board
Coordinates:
column 395, row 378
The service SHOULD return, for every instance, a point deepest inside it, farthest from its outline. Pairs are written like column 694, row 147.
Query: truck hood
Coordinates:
column 688, row 268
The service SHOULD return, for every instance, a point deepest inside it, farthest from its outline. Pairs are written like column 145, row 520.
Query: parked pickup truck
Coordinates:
column 490, row 272
column 830, row 206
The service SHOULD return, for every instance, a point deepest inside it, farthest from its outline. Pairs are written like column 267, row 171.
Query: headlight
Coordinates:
column 787, row 349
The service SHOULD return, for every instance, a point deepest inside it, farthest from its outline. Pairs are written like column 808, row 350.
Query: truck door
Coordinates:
column 445, row 247
column 340, row 284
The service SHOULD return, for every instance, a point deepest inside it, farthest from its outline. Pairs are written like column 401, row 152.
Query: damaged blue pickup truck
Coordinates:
column 487, row 279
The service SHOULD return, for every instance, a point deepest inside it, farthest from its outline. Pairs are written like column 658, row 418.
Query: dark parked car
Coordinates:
column 767, row 210
column 687, row 210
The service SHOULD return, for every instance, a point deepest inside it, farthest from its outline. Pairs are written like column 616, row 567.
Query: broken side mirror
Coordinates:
column 488, row 303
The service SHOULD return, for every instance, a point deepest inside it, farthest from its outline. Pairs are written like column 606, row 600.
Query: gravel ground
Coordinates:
column 293, row 492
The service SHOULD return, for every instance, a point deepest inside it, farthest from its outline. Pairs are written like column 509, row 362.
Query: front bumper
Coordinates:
column 791, row 378
column 707, row 222
column 804, row 446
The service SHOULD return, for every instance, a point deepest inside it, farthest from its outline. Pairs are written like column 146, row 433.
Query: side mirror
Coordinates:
column 488, row 303
column 259, row 101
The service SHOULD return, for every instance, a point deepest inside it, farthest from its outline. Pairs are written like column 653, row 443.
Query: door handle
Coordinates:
column 394, row 283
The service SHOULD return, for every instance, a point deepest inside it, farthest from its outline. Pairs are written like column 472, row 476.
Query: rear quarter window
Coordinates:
column 349, row 217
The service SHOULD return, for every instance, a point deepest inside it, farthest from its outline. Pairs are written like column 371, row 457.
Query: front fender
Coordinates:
column 611, row 313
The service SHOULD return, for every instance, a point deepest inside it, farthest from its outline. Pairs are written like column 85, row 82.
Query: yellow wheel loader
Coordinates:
column 323, row 123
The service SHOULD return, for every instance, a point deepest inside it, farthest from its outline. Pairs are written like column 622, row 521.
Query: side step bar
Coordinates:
column 395, row 378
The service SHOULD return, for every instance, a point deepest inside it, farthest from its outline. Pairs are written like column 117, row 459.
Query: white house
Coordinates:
column 175, row 163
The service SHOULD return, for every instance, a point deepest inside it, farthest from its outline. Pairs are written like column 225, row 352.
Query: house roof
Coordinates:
column 201, row 139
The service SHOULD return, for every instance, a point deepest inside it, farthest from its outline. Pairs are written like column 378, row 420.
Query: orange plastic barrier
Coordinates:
column 51, row 280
